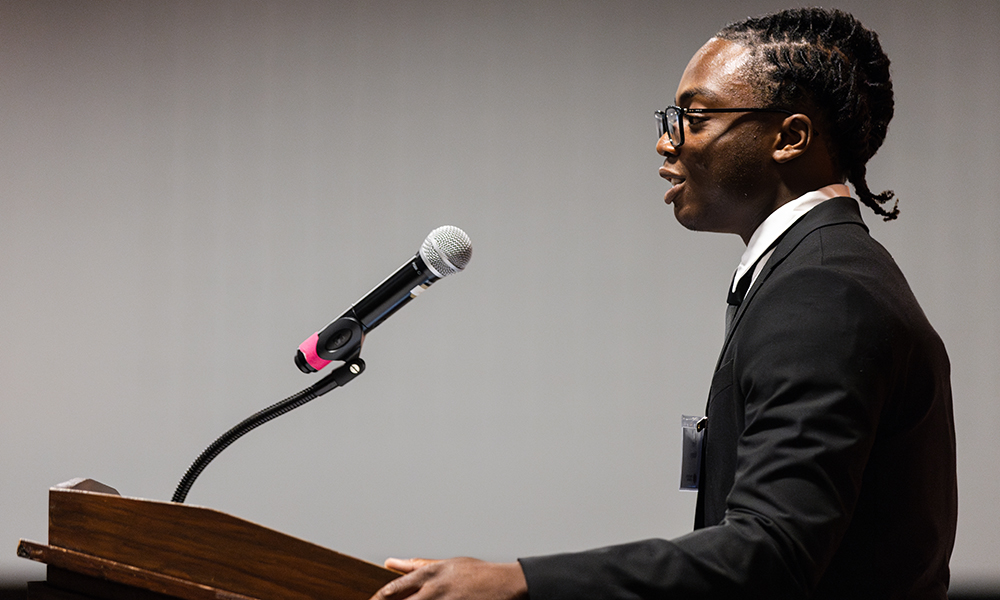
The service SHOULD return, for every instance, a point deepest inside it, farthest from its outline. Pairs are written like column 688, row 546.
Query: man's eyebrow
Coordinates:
column 689, row 94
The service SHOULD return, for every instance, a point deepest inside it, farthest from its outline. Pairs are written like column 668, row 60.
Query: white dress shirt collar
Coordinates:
column 778, row 222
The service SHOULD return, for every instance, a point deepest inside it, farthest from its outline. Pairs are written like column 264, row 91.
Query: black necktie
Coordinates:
column 736, row 296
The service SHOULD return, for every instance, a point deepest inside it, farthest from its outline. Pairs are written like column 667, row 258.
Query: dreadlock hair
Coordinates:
column 828, row 60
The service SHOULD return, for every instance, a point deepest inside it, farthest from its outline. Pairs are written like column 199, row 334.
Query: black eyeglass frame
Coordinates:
column 661, row 118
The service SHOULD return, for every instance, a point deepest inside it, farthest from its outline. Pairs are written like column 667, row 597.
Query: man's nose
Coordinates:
column 664, row 146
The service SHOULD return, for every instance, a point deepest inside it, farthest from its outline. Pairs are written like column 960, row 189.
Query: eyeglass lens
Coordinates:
column 668, row 121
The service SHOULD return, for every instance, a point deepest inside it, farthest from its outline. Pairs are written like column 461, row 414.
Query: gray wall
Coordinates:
column 189, row 189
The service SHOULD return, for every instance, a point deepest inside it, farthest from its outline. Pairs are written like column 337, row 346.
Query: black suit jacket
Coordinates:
column 829, row 457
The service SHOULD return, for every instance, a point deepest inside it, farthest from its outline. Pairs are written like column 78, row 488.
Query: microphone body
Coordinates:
column 446, row 250
column 343, row 336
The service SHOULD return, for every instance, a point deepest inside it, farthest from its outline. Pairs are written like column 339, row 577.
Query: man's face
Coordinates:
column 722, row 175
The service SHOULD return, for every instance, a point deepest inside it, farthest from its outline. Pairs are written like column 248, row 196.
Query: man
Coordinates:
column 828, row 466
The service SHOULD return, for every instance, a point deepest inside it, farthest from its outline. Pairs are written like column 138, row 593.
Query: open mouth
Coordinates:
column 673, row 178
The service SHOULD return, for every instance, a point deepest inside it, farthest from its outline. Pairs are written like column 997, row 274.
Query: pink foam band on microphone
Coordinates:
column 308, row 349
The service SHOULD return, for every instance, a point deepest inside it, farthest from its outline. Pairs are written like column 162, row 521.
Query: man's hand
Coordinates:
column 454, row 579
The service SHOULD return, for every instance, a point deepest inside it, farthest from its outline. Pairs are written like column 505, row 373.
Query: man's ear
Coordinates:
column 797, row 134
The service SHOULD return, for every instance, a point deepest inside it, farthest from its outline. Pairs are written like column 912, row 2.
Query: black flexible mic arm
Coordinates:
column 339, row 377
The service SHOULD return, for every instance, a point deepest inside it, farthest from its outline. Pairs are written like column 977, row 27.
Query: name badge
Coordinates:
column 693, row 431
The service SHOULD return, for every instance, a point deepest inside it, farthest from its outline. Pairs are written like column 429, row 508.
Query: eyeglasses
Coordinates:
column 668, row 120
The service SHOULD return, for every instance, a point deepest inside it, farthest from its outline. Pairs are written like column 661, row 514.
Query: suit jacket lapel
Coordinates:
column 832, row 212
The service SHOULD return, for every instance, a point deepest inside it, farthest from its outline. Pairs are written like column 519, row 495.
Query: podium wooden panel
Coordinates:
column 184, row 551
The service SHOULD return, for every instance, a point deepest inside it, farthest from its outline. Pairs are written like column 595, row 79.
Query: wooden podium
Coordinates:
column 103, row 545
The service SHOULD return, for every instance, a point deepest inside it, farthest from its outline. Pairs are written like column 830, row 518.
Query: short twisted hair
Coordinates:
column 828, row 60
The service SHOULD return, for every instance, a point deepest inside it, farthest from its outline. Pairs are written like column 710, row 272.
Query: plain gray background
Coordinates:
column 190, row 189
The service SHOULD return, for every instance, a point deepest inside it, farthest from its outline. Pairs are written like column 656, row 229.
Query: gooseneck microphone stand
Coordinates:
column 339, row 377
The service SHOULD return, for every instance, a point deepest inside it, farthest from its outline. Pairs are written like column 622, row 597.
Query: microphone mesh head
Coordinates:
column 446, row 250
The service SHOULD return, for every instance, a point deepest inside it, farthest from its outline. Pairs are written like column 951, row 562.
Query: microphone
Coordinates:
column 446, row 250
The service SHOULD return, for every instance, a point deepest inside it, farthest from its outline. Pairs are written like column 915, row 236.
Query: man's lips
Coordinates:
column 670, row 176
column 675, row 182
